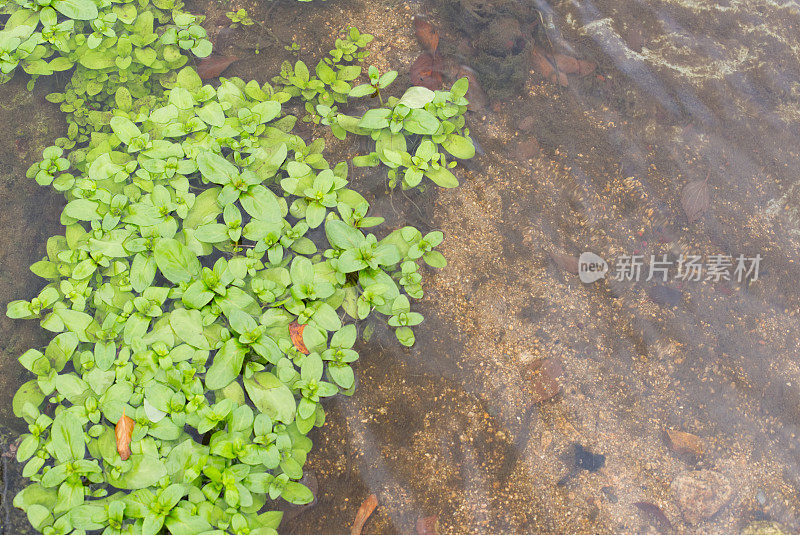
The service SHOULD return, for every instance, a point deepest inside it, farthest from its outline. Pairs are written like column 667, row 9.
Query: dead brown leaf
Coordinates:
column 296, row 334
column 123, row 432
column 543, row 379
column 655, row 512
column 426, row 71
column 545, row 66
column 541, row 64
column 566, row 64
column 213, row 66
column 695, row 199
column 363, row 513
column 566, row 262
column 586, row 67
column 427, row 34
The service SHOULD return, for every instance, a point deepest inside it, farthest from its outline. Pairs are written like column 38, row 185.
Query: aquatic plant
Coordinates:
column 330, row 83
column 239, row 17
column 431, row 121
column 200, row 299
column 119, row 53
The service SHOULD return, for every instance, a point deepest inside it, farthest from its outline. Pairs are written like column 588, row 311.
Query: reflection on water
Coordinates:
column 689, row 389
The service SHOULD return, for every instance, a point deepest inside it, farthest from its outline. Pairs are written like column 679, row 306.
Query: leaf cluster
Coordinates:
column 199, row 233
column 331, row 81
column 415, row 135
column 120, row 54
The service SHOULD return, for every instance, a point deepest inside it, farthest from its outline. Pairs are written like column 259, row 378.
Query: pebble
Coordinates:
column 701, row 494
column 427, row 525
column 542, row 378
column 682, row 442
column 610, row 495
column 527, row 148
column 526, row 124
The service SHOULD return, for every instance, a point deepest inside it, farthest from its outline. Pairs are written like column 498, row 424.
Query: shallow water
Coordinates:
column 451, row 428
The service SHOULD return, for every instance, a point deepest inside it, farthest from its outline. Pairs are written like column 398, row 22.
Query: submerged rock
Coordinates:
column 701, row 494
column 503, row 37
column 542, row 379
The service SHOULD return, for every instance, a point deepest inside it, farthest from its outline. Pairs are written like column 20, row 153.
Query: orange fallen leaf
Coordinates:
column 566, row 64
column 123, row 431
column 426, row 33
column 296, row 334
column 541, row 64
column 363, row 513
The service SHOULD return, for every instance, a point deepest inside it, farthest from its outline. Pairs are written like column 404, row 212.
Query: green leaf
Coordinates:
column 28, row 393
column 459, row 146
column 342, row 375
column 74, row 320
column 267, row 110
column 143, row 272
column 302, row 271
column 76, row 9
column 215, row 168
column 227, row 365
column 435, row 259
column 181, row 98
column 145, row 471
column 188, row 326
column 375, row 119
column 261, row 204
column 105, row 353
column 82, row 210
column 417, row 97
column 68, row 438
column 271, row 396
column 212, row 114
column 421, row 122
column 361, row 90
column 297, row 493
column 442, row 177
column 96, row 59
column 175, row 261
column 342, row 235
column 405, row 336
column 39, row 516
column 124, row 129
column 72, row 387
